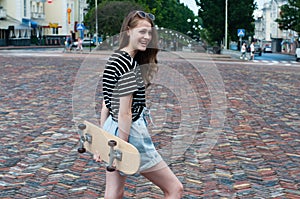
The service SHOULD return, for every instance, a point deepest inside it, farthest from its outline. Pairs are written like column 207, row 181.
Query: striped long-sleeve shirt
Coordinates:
column 122, row 76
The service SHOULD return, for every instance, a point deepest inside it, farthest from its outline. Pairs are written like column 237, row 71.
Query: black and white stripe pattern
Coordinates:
column 122, row 76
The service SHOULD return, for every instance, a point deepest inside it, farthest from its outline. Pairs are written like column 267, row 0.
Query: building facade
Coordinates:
column 267, row 29
column 42, row 22
column 66, row 14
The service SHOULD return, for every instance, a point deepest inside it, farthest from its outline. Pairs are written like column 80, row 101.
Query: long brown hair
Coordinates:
column 146, row 59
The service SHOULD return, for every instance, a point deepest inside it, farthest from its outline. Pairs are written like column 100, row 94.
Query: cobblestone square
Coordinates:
column 255, row 153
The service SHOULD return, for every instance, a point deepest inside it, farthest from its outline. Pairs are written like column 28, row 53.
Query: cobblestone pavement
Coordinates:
column 256, row 153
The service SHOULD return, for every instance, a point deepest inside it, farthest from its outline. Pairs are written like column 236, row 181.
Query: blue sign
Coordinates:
column 241, row 32
column 80, row 26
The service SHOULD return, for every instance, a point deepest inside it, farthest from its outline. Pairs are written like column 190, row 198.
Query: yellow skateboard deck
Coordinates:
column 117, row 153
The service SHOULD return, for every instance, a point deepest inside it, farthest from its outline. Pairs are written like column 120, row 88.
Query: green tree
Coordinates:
column 110, row 16
column 91, row 3
column 289, row 16
column 240, row 16
column 173, row 15
column 170, row 14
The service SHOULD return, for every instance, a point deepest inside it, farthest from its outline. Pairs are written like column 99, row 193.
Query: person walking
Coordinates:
column 68, row 43
column 243, row 51
column 79, row 44
column 252, row 51
column 126, row 76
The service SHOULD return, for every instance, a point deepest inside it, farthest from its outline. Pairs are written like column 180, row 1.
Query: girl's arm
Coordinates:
column 125, row 116
column 104, row 114
column 124, row 119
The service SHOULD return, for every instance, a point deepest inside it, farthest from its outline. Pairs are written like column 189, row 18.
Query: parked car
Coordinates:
column 257, row 49
column 297, row 55
column 85, row 42
column 268, row 48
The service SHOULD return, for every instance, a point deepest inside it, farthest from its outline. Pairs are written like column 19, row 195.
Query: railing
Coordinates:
column 37, row 15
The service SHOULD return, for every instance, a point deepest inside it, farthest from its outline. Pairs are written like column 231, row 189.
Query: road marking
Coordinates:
column 274, row 62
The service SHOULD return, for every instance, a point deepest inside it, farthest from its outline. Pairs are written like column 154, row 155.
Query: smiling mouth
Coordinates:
column 144, row 43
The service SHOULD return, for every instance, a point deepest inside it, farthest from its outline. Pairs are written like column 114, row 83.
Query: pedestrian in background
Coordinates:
column 68, row 43
column 243, row 51
column 124, row 106
column 252, row 51
column 79, row 44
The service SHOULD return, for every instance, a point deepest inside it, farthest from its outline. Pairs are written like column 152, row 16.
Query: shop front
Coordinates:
column 14, row 33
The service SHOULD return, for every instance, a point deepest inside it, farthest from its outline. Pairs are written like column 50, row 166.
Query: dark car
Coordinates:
column 257, row 49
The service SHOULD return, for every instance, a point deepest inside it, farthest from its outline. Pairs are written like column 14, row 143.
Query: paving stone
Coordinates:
column 255, row 155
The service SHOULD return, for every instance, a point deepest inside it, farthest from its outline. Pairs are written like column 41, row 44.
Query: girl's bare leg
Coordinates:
column 114, row 185
column 165, row 179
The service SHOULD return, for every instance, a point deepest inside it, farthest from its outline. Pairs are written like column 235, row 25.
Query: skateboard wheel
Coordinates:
column 110, row 168
column 82, row 126
column 112, row 143
column 81, row 150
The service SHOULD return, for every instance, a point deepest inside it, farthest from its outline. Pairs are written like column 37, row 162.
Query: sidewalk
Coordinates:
column 237, row 54
column 27, row 47
column 232, row 53
column 224, row 53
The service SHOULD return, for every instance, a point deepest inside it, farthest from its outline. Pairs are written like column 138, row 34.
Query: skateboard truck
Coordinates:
column 83, row 138
column 113, row 154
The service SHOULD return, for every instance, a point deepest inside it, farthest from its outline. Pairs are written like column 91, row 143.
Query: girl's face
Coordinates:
column 140, row 36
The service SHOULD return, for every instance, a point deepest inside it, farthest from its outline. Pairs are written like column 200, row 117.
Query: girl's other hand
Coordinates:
column 97, row 157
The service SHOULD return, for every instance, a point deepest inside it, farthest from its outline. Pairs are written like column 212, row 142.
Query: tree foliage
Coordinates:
column 290, row 16
column 110, row 16
column 173, row 15
column 240, row 16
column 170, row 14
column 91, row 3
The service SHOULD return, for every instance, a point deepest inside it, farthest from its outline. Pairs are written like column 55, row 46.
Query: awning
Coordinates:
column 7, row 22
column 33, row 24
column 29, row 23
column 22, row 27
column 38, row 23
column 4, row 24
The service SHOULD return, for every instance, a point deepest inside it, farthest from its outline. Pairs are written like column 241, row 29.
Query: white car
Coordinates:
column 85, row 42
column 297, row 55
column 268, row 48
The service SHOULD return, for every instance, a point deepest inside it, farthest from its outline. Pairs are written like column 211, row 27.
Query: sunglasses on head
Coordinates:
column 144, row 15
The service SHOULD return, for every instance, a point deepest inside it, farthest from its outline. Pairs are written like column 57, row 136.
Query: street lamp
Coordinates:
column 226, row 23
column 189, row 32
column 196, row 26
column 96, row 4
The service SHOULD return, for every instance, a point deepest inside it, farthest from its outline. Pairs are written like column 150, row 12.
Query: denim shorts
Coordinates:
column 140, row 138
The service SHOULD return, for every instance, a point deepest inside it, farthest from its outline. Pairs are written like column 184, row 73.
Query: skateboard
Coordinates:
column 117, row 153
